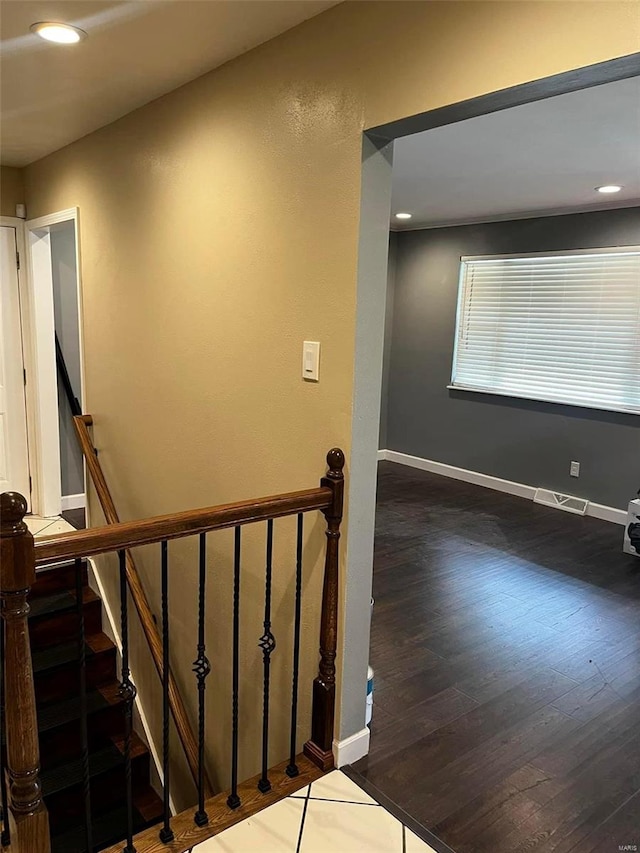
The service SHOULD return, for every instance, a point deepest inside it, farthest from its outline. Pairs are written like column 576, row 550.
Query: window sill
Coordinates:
column 513, row 396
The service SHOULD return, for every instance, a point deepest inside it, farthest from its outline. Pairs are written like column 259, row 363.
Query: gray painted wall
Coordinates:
column 525, row 441
column 65, row 306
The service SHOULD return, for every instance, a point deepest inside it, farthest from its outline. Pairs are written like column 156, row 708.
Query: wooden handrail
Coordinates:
column 140, row 600
column 17, row 576
column 131, row 534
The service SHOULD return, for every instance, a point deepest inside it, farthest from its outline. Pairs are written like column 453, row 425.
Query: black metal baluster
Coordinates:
column 202, row 668
column 5, row 835
column 84, row 734
column 267, row 644
column 233, row 800
column 166, row 833
column 128, row 693
column 292, row 767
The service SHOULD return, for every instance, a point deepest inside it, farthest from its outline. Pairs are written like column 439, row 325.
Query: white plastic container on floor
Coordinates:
column 369, row 714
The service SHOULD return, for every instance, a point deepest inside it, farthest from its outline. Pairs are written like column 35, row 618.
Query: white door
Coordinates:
column 14, row 460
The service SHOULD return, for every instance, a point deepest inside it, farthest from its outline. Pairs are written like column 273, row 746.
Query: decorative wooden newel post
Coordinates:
column 319, row 748
column 17, row 575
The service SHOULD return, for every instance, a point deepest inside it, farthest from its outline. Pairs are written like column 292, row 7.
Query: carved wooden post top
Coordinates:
column 335, row 461
column 17, row 557
column 334, row 480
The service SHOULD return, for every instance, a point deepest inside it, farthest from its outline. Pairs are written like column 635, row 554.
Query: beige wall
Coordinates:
column 11, row 190
column 219, row 228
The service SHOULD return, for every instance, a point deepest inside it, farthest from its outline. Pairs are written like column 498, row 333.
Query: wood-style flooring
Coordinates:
column 75, row 517
column 506, row 649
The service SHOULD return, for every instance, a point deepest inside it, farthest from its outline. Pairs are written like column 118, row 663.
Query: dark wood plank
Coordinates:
column 506, row 649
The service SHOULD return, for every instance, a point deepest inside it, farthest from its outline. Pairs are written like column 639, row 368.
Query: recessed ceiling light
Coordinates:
column 609, row 188
column 58, row 33
column 404, row 215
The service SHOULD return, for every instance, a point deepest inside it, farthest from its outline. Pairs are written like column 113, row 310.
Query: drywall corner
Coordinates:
column 377, row 160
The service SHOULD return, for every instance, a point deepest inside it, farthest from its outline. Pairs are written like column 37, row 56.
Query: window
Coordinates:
column 561, row 327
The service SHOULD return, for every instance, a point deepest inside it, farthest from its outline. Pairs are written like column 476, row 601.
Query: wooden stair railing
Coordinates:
column 149, row 627
column 20, row 557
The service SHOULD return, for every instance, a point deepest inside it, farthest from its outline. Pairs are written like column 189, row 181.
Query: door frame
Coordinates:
column 40, row 358
column 352, row 740
column 18, row 225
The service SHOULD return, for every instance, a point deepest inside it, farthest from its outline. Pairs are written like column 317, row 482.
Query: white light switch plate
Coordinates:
column 311, row 360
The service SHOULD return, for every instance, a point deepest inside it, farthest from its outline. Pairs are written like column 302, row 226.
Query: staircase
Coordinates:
column 53, row 630
column 67, row 721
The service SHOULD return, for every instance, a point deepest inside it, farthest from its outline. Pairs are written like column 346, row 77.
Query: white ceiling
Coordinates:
column 537, row 159
column 136, row 51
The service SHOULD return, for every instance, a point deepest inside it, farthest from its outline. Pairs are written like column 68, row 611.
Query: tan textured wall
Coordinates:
column 11, row 190
column 219, row 228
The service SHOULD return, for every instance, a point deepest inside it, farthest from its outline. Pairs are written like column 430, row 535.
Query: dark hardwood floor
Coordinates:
column 75, row 517
column 506, row 650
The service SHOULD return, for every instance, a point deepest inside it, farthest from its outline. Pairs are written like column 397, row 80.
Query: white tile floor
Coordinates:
column 47, row 526
column 332, row 814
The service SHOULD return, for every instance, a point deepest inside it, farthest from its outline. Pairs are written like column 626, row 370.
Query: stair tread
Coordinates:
column 109, row 827
column 51, row 567
column 53, row 714
column 66, row 775
column 65, row 653
column 56, row 578
column 59, row 602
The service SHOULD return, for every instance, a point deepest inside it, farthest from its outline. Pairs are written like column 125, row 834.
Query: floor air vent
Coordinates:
column 566, row 502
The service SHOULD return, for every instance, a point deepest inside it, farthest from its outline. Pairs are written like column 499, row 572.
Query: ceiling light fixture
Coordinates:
column 58, row 33
column 609, row 188
column 404, row 215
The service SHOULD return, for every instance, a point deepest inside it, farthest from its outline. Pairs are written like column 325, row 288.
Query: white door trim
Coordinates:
column 20, row 479
column 42, row 384
column 71, row 213
column 27, row 353
column 42, row 381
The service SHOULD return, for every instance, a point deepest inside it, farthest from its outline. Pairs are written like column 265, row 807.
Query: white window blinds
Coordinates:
column 563, row 328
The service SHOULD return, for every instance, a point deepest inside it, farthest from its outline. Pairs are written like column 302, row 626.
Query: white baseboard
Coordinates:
column 111, row 628
column 351, row 748
column 74, row 502
column 606, row 513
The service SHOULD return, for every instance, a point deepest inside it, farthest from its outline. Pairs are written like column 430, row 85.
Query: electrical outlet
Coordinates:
column 574, row 470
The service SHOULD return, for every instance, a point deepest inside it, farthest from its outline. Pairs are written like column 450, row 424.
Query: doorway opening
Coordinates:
column 55, row 372
column 421, row 331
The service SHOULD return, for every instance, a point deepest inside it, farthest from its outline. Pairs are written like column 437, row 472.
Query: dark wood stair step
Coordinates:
column 62, row 785
column 59, row 729
column 53, row 619
column 56, row 668
column 109, row 828
column 52, row 579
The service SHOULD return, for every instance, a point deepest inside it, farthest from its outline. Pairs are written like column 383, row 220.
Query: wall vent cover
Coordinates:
column 568, row 503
